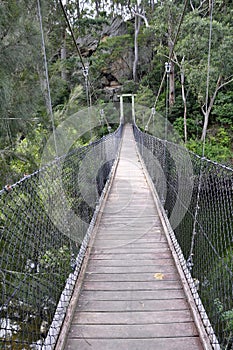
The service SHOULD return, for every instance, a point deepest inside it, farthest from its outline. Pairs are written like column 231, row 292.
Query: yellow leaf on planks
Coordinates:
column 159, row 276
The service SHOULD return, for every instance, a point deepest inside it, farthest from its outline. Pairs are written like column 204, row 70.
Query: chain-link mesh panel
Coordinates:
column 44, row 221
column 197, row 197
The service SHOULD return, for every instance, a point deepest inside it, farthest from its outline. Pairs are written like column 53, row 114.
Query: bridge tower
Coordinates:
column 127, row 115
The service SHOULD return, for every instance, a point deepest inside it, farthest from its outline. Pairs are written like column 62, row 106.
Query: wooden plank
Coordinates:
column 127, row 256
column 153, row 285
column 127, row 220
column 127, row 249
column 131, row 305
column 132, row 277
column 128, row 318
column 133, row 331
column 135, row 247
column 133, row 237
column 117, row 262
column 123, row 227
column 136, row 231
column 159, row 248
column 126, row 227
column 182, row 343
column 130, row 233
column 166, row 294
column 119, row 195
column 139, row 227
column 130, row 269
column 129, row 204
column 131, row 243
column 124, row 211
column 131, row 240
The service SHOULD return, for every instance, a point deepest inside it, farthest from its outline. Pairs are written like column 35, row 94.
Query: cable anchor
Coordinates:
column 85, row 72
column 168, row 67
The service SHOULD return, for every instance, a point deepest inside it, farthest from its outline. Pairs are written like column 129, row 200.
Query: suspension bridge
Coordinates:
column 126, row 242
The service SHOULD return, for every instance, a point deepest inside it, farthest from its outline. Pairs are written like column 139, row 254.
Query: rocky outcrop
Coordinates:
column 116, row 28
column 119, row 59
column 88, row 45
column 118, row 68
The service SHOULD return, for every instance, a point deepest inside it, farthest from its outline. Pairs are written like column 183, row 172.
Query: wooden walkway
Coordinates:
column 131, row 296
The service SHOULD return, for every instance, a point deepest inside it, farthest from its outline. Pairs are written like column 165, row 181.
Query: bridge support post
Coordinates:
column 133, row 109
column 121, row 110
column 122, row 119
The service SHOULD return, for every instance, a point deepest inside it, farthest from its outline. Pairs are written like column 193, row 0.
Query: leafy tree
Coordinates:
column 194, row 47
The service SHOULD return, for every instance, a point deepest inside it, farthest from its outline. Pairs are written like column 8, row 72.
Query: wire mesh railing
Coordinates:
column 45, row 223
column 197, row 196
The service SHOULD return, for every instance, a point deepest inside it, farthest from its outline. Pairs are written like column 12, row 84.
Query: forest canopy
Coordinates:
column 125, row 45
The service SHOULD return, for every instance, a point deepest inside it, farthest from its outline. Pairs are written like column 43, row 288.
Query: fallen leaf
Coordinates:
column 159, row 276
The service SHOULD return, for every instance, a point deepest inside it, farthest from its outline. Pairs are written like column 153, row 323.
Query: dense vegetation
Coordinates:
column 129, row 57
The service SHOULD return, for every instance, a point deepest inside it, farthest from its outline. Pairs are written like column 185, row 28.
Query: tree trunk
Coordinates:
column 135, row 63
column 208, row 109
column 172, row 85
column 171, row 56
column 78, row 9
column 63, row 57
column 97, row 8
column 185, row 105
column 44, row 89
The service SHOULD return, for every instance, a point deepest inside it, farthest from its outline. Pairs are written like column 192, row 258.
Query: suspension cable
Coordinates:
column 72, row 34
column 167, row 72
column 84, row 67
column 47, row 77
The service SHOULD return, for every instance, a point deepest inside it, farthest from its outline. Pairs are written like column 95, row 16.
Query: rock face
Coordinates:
column 116, row 28
column 111, row 46
column 116, row 69
column 87, row 45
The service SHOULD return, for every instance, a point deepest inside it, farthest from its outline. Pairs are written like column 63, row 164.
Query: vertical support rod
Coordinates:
column 121, row 110
column 133, row 110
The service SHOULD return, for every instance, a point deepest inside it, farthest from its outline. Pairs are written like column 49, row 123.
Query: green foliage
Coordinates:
column 192, row 126
column 55, row 259
column 23, row 93
column 110, row 50
column 193, row 45
column 145, row 96
column 217, row 147
column 223, row 108
column 27, row 153
column 93, row 25
column 226, row 316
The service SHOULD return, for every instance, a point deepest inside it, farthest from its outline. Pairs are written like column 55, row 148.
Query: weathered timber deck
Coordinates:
column 131, row 296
